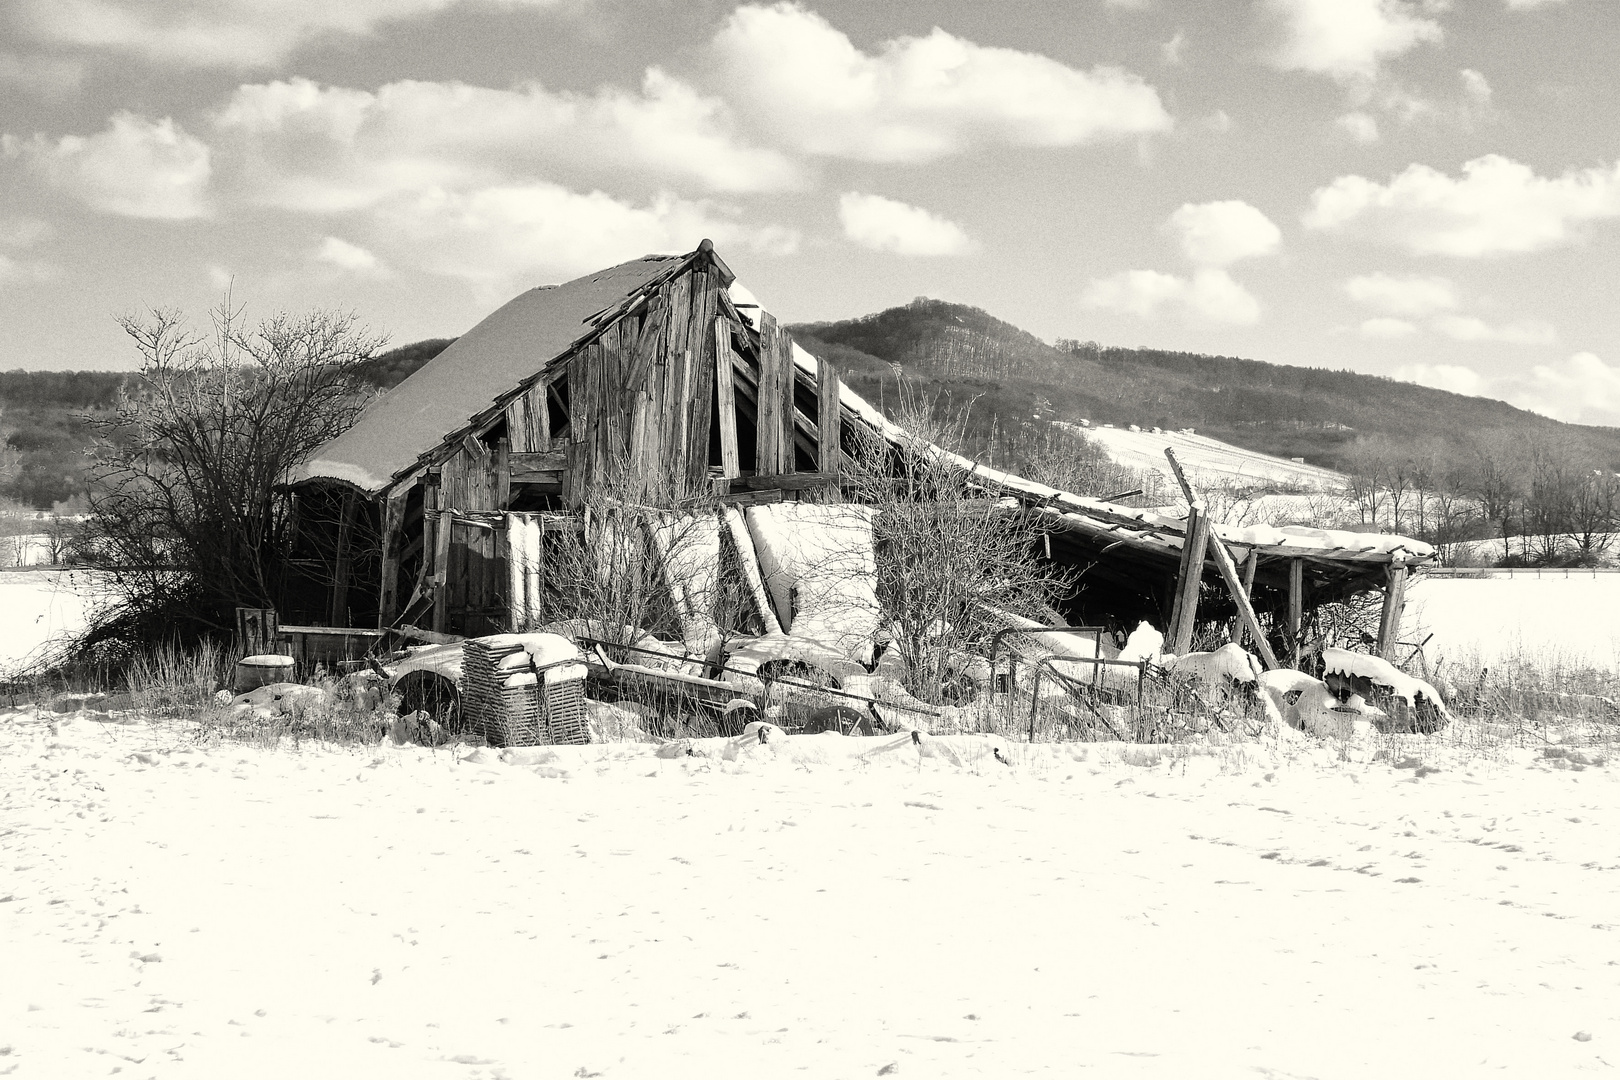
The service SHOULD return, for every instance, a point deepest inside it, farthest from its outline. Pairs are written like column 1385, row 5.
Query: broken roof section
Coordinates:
column 517, row 340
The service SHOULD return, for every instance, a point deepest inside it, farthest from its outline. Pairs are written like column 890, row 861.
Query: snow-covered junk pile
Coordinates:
column 629, row 506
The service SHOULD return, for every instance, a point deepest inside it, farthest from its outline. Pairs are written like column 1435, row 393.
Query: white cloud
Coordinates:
column 1403, row 295
column 888, row 225
column 1219, row 121
column 1349, row 39
column 1210, row 294
column 1529, row 5
column 1475, row 87
column 1453, row 377
column 503, row 237
column 136, row 168
column 1583, row 389
column 1387, row 328
column 332, row 148
column 1361, row 127
column 335, row 251
column 918, row 98
column 1497, row 206
column 1469, row 328
column 214, row 33
column 1170, row 52
column 1221, row 233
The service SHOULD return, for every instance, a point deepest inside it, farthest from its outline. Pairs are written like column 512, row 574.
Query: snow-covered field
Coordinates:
column 1550, row 617
column 801, row 909
column 1211, row 460
column 39, row 608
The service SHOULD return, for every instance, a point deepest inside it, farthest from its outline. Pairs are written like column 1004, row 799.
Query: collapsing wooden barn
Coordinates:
column 663, row 368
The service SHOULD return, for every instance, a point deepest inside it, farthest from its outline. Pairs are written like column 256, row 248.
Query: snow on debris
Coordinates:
column 819, row 567
column 1382, row 673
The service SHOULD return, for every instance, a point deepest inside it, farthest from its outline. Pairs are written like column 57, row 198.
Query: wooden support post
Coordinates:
column 393, row 522
column 1296, row 608
column 725, row 397
column 829, row 414
column 500, row 476
column 1389, row 622
column 1229, row 571
column 441, row 571
column 1185, row 617
column 338, row 615
column 1250, row 565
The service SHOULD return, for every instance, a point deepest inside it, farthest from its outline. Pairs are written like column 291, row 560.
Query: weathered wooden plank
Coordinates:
column 441, row 571
column 790, row 413
column 790, row 482
column 393, row 525
column 829, row 420
column 752, row 498
column 1185, row 615
column 1229, row 572
column 1296, row 607
column 539, row 408
column 1389, row 621
column 1250, row 564
column 500, row 476
column 725, row 409
column 698, row 407
column 771, row 424
column 517, row 423
column 525, row 467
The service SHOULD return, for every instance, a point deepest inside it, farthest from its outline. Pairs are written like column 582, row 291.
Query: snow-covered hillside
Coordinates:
column 1210, row 459
column 175, row 911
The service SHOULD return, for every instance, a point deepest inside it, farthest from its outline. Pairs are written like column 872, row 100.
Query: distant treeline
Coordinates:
column 43, row 460
column 962, row 354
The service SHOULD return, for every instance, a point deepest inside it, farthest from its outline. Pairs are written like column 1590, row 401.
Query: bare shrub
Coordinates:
column 950, row 554
column 188, row 513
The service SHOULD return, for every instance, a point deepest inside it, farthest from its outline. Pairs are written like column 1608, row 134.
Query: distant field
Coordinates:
column 39, row 608
column 1210, row 459
column 1574, row 619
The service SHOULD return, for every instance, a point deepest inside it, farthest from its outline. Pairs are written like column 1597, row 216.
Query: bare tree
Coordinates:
column 950, row 553
column 188, row 509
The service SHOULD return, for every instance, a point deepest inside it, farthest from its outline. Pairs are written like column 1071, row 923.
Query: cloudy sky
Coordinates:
column 1426, row 189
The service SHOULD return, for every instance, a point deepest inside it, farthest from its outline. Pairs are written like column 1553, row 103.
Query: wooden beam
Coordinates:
column 543, row 466
column 1296, row 607
column 829, row 417
column 393, row 524
column 725, row 385
column 1184, row 616
column 339, row 613
column 1229, row 571
column 795, row 482
column 1249, row 566
column 1389, row 622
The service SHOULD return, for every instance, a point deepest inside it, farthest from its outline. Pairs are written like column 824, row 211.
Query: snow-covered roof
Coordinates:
column 513, row 343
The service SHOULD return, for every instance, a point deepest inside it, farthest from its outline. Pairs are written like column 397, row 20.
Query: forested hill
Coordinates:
column 1314, row 413
column 42, row 431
